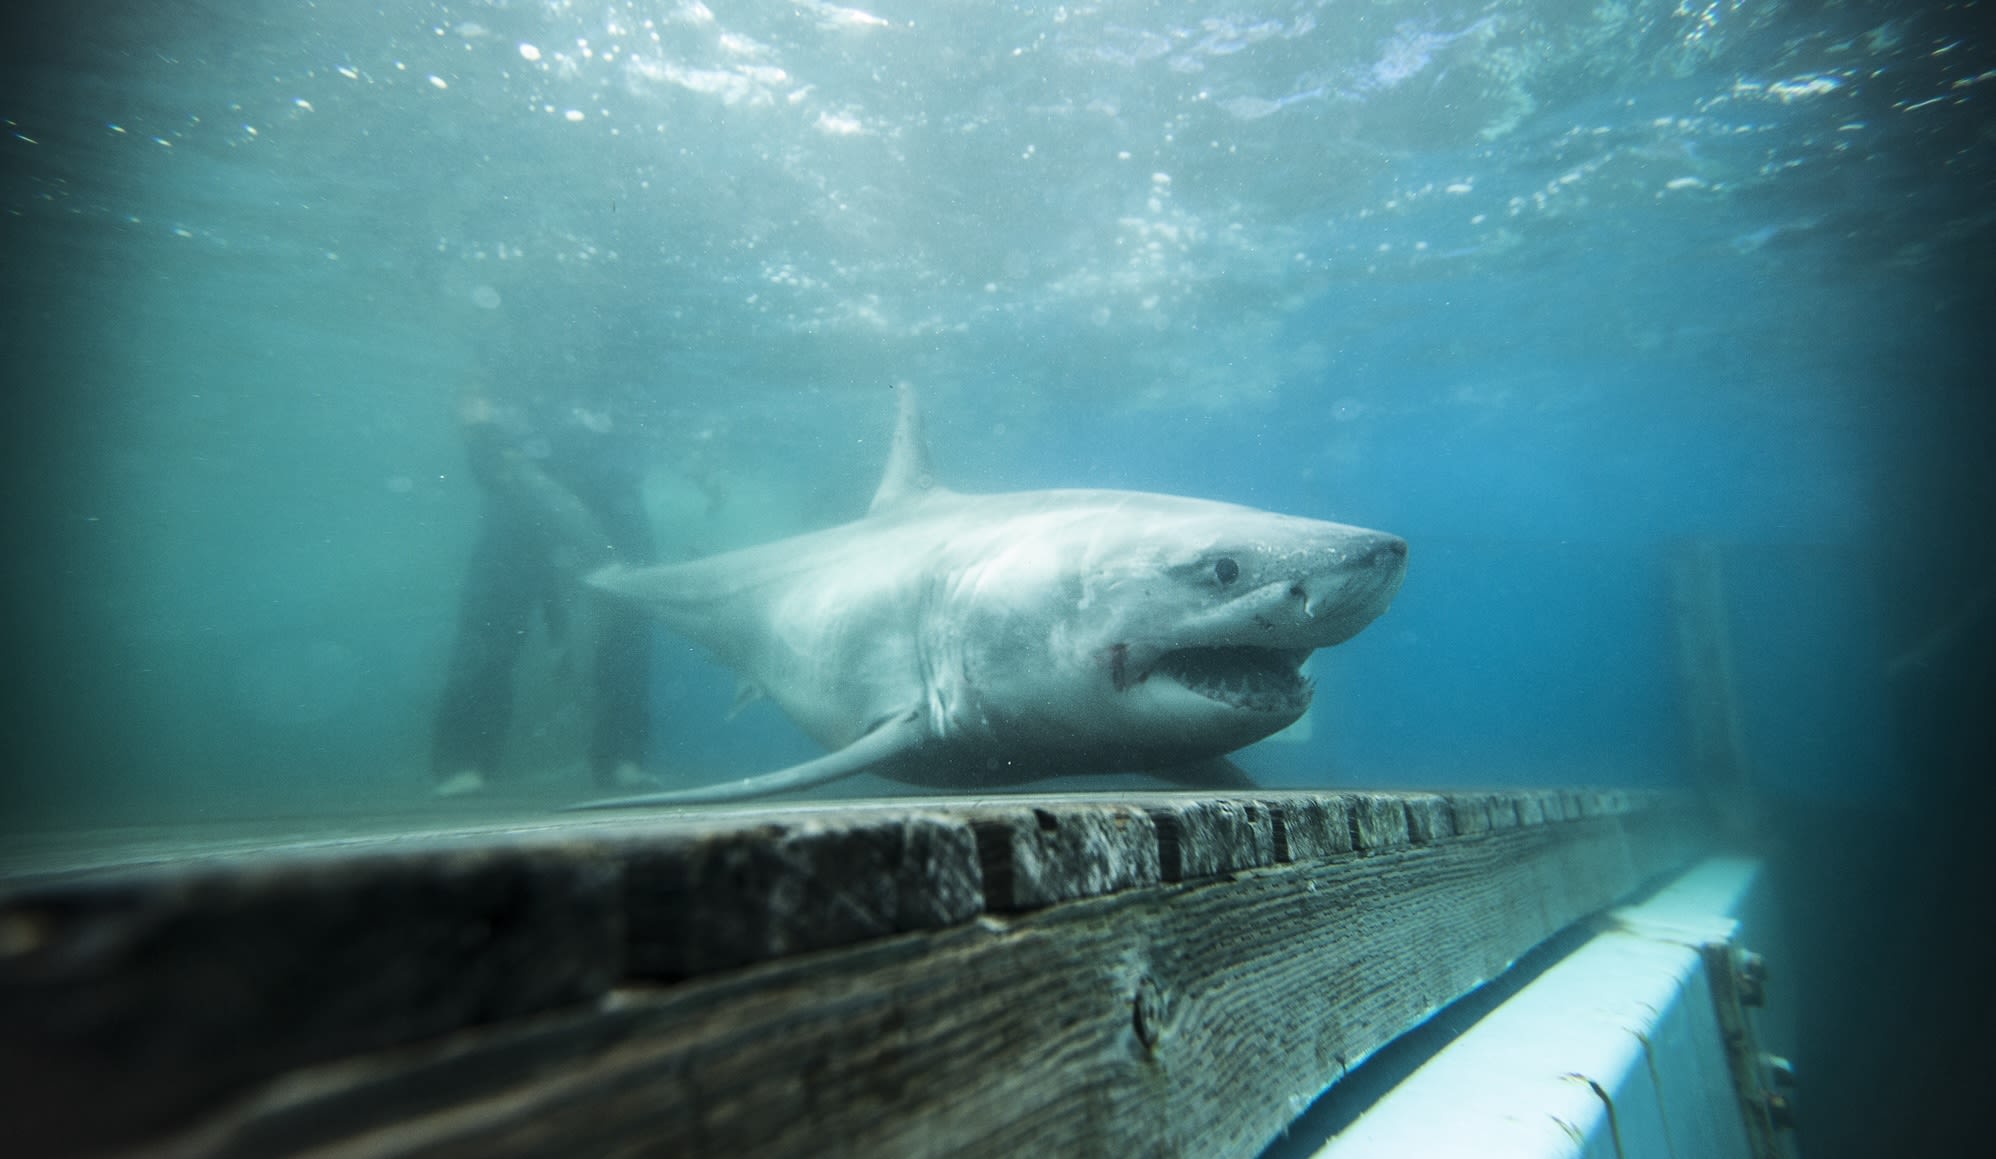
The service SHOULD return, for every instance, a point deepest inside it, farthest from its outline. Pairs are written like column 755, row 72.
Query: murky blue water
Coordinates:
column 1551, row 290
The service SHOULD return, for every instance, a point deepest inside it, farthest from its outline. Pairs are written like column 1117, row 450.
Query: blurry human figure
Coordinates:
column 562, row 480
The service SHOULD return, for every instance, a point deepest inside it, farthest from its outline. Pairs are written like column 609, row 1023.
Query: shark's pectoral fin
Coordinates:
column 896, row 736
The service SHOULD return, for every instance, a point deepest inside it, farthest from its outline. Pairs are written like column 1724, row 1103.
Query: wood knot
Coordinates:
column 1147, row 1012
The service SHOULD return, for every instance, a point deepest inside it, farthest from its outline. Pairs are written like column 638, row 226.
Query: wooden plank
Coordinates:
column 1038, row 854
column 987, row 976
column 128, row 1002
column 178, row 986
column 710, row 900
column 1378, row 821
column 1430, row 818
column 1314, row 827
column 1205, row 836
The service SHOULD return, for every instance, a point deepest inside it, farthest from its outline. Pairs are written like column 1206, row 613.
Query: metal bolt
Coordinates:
column 1779, row 1070
column 1750, row 978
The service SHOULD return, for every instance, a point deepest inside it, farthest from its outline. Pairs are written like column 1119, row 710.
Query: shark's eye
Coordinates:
column 1226, row 570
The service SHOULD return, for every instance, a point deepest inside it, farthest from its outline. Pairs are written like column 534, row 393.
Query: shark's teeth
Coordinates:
column 1253, row 679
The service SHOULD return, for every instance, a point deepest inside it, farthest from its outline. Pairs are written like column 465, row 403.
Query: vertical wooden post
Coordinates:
column 1711, row 700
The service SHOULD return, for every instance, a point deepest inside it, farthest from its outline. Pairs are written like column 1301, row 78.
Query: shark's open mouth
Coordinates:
column 1255, row 679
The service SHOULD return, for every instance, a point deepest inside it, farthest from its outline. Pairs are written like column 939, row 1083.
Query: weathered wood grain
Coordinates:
column 1378, row 821
column 1313, row 826
column 709, row 900
column 126, row 1003
column 1169, row 974
column 1204, row 836
column 1038, row 854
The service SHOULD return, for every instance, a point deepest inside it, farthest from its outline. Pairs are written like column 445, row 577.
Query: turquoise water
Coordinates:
column 1549, row 290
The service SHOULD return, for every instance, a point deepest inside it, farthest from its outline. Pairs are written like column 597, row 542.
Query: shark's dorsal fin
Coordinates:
column 896, row 737
column 909, row 476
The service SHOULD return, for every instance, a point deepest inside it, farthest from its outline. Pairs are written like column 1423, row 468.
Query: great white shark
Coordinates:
column 969, row 641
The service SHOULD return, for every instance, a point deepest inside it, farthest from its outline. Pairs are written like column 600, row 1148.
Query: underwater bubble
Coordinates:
column 485, row 298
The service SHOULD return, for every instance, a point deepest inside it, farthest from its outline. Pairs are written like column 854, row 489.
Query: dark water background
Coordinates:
column 1552, row 290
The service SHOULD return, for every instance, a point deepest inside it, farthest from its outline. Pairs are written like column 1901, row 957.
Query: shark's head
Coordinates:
column 1176, row 628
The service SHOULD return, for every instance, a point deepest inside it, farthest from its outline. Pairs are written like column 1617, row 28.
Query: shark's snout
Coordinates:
column 1356, row 581
column 1376, row 551
column 1358, row 573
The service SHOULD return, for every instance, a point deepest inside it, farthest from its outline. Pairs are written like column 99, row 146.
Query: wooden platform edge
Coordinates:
column 733, row 983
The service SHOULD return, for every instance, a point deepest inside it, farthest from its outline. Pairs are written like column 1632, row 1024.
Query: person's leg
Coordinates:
column 501, row 587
